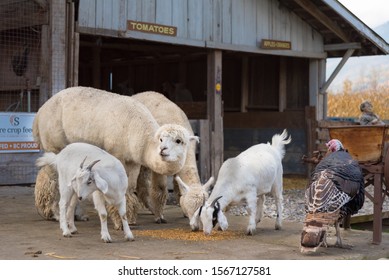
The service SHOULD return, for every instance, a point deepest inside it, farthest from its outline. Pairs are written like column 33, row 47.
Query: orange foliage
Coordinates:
column 345, row 104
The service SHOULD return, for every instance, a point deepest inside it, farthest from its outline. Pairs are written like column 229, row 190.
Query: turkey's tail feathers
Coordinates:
column 280, row 140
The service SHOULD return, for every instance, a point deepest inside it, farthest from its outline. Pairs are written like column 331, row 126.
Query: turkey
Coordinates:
column 336, row 189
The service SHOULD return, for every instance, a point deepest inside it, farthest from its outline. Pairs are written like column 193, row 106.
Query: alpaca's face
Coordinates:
column 172, row 148
column 173, row 142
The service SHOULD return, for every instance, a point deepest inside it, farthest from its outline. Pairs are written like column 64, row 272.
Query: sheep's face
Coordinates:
column 192, row 201
column 173, row 143
column 194, row 196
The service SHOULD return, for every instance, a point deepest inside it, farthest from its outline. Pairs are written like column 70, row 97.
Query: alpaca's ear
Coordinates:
column 195, row 220
column 207, row 185
column 194, row 138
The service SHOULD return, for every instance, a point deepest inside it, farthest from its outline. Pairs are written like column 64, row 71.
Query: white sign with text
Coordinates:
column 16, row 133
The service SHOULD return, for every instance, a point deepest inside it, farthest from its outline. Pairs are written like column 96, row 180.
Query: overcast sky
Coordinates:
column 371, row 12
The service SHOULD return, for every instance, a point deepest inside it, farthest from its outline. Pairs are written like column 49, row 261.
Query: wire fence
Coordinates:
column 21, row 68
column 20, row 40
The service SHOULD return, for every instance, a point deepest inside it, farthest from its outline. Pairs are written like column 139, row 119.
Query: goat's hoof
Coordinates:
column 68, row 235
column 106, row 239
column 278, row 227
column 130, row 238
column 161, row 221
column 83, row 218
column 250, row 232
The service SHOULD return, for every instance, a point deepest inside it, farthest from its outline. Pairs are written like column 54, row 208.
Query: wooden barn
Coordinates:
column 242, row 70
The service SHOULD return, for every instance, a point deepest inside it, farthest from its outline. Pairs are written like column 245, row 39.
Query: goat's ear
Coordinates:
column 72, row 182
column 207, row 185
column 195, row 220
column 101, row 184
column 184, row 188
column 222, row 220
column 194, row 138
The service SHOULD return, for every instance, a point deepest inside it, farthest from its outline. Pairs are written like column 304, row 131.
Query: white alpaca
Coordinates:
column 152, row 187
column 120, row 125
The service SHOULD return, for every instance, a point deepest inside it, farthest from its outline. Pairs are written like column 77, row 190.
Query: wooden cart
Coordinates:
column 369, row 145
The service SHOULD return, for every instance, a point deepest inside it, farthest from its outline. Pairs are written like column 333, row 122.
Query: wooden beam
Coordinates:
column 347, row 55
column 340, row 47
column 323, row 18
column 215, row 110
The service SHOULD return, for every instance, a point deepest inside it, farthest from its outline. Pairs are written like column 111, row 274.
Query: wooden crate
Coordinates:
column 364, row 143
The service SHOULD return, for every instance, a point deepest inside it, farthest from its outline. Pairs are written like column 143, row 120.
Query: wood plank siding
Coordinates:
column 227, row 24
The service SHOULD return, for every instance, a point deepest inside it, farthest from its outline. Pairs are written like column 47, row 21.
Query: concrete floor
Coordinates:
column 25, row 235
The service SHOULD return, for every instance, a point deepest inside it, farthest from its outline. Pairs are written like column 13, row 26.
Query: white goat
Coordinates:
column 247, row 177
column 106, row 182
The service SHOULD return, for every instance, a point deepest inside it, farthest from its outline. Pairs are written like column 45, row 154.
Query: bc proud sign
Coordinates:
column 16, row 133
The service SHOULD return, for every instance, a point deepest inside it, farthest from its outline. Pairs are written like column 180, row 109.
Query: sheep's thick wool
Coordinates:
column 119, row 124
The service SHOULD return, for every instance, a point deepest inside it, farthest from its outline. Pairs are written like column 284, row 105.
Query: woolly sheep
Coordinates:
column 151, row 186
column 193, row 196
column 247, row 177
column 46, row 193
column 121, row 125
column 107, row 182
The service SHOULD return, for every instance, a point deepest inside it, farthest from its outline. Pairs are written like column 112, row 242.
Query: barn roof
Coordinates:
column 340, row 28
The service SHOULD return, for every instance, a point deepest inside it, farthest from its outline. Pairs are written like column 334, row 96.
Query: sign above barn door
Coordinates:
column 152, row 28
column 275, row 45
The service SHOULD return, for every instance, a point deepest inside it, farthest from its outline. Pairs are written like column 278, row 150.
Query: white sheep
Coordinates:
column 193, row 196
column 46, row 193
column 247, row 178
column 121, row 125
column 151, row 186
column 107, row 182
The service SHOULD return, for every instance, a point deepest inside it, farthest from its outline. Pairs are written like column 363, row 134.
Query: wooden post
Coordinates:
column 70, row 43
column 58, row 64
column 245, row 84
column 377, row 212
column 204, row 158
column 321, row 99
column 215, row 110
column 44, row 66
column 283, row 85
column 76, row 58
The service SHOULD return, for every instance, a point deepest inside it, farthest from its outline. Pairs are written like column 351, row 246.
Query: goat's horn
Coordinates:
column 216, row 199
column 82, row 163
column 91, row 165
